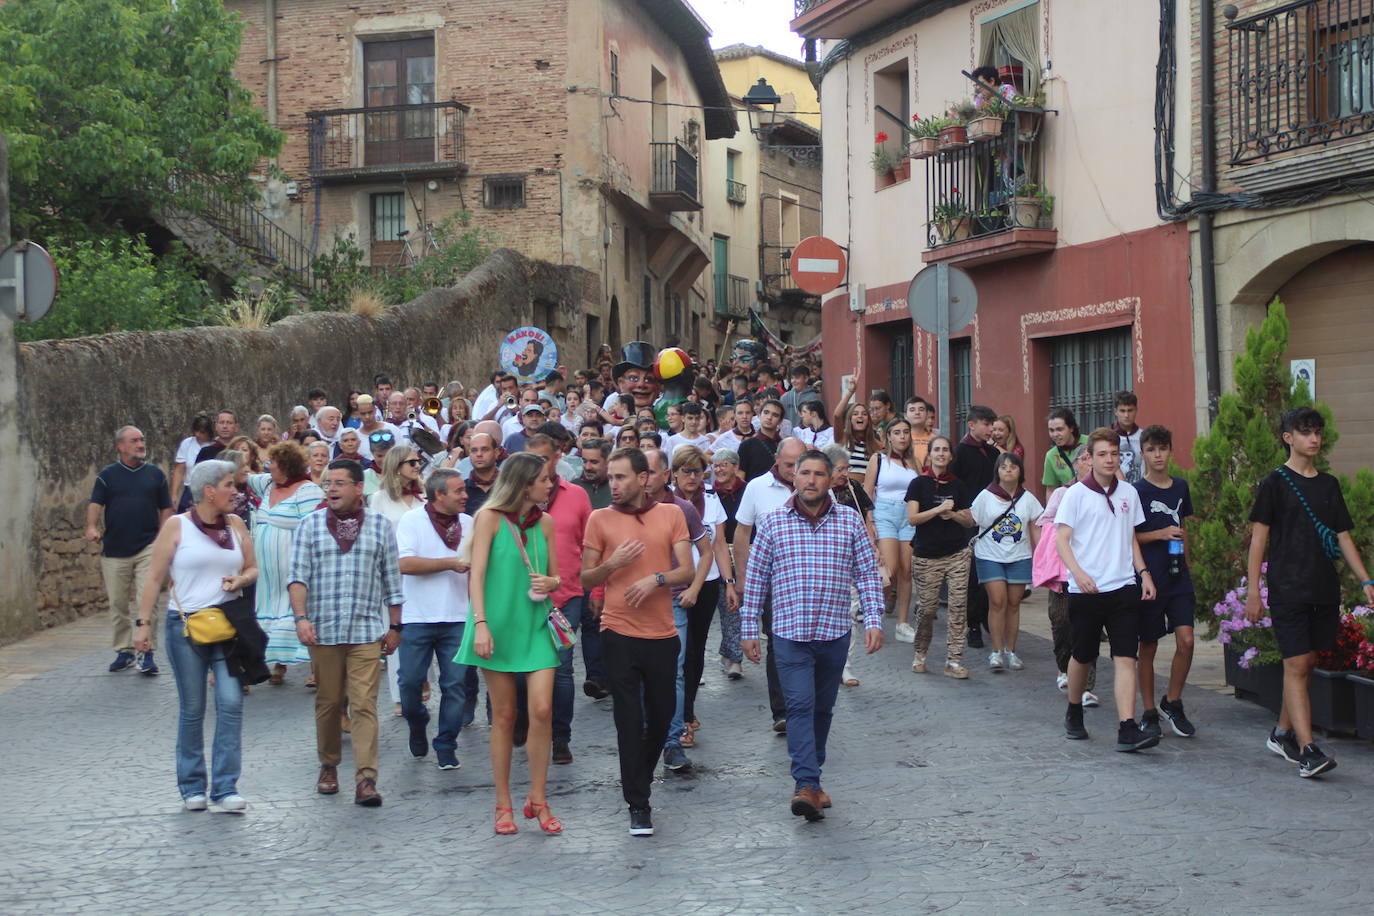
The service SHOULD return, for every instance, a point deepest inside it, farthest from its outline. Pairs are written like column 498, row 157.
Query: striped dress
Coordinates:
column 272, row 530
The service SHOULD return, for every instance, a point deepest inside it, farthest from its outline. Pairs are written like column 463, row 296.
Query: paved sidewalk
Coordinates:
column 949, row 796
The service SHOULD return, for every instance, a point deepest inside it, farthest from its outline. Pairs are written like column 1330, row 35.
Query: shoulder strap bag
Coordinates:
column 561, row 632
column 995, row 522
column 1328, row 538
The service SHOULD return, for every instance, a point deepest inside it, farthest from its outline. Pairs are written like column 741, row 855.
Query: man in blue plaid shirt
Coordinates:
column 805, row 557
column 344, row 571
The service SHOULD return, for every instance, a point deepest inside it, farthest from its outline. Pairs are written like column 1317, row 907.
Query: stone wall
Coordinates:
column 76, row 393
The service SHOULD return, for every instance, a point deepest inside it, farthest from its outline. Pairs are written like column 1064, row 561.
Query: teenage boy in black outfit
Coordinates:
column 1293, row 504
column 1166, row 503
column 1107, row 581
column 974, row 458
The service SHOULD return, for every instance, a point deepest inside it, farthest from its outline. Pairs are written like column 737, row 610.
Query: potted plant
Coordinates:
column 884, row 160
column 987, row 121
column 1253, row 661
column 954, row 132
column 925, row 137
column 989, row 220
column 1029, row 204
column 1030, row 110
column 952, row 218
column 1333, row 694
column 1362, row 681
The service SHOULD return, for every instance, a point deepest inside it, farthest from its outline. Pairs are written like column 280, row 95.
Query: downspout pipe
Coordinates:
column 1206, row 228
column 269, row 15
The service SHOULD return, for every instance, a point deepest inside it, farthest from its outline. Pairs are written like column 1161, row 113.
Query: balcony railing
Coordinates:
column 987, row 186
column 1302, row 75
column 735, row 191
column 732, row 295
column 674, row 182
column 351, row 144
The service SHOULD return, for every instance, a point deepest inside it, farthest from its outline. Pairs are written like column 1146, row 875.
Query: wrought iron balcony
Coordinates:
column 735, row 191
column 989, row 190
column 1302, row 75
column 732, row 296
column 359, row 144
column 674, row 184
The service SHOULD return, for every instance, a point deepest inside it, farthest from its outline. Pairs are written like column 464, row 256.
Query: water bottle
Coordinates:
column 1175, row 557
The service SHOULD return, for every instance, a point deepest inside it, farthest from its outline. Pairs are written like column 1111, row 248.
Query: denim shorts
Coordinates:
column 889, row 517
column 1017, row 572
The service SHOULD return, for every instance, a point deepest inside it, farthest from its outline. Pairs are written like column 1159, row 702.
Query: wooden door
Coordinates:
column 399, row 73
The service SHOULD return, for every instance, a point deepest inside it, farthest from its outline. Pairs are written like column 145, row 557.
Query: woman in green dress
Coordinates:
column 514, row 570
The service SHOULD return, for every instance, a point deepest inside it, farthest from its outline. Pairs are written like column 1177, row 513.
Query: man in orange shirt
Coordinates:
column 629, row 547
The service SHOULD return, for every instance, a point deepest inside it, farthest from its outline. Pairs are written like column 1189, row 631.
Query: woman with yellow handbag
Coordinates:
column 209, row 556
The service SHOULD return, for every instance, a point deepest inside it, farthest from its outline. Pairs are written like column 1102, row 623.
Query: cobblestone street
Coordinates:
column 949, row 797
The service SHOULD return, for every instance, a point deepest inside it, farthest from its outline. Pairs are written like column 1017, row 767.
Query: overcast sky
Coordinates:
column 753, row 22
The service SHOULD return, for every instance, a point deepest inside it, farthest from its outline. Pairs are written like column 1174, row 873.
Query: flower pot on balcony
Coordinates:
column 954, row 136
column 954, row 230
column 1028, row 122
column 902, row 171
column 1262, row 684
column 1333, row 701
column 1362, row 685
column 985, row 127
column 886, row 179
column 923, row 147
column 1025, row 212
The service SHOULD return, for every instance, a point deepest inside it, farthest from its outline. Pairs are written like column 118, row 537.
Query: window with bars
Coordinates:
column 615, row 73
column 1086, row 372
column 388, row 217
column 503, row 192
column 960, row 384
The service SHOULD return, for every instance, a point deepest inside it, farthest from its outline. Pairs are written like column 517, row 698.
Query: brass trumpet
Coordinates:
column 432, row 406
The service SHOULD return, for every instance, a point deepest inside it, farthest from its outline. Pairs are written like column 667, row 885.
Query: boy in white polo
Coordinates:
column 1096, row 540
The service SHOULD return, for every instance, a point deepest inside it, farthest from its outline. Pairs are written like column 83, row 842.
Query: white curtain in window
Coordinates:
column 1019, row 33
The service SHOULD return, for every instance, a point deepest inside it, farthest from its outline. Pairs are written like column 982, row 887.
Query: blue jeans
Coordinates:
column 809, row 673
column 677, row 727
column 190, row 665
column 421, row 642
column 563, row 688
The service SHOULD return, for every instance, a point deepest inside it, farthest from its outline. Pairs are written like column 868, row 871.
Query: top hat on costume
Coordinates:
column 634, row 355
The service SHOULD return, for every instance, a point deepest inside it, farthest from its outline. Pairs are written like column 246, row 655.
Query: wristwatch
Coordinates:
column 301, row 617
column 730, row 581
column 140, row 623
column 397, row 627
column 659, row 578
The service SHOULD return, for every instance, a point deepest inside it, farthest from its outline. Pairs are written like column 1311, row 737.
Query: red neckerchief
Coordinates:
column 639, row 511
column 412, row 488
column 1091, row 483
column 943, row 477
column 742, row 436
column 1121, row 430
column 295, row 480
column 217, row 531
column 553, row 494
column 344, row 527
column 976, row 443
column 698, row 502
column 730, row 491
column 762, row 435
column 523, row 525
column 447, row 526
column 473, row 481
column 812, row 519
column 774, row 472
column 996, row 490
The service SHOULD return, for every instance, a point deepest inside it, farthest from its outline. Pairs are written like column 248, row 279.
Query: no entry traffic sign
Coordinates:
column 818, row 265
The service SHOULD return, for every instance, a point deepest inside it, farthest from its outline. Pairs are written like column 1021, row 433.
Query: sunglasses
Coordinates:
column 381, row 438
column 413, row 462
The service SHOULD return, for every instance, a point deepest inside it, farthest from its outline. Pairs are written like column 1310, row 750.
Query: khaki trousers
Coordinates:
column 349, row 672
column 124, row 580
column 928, row 575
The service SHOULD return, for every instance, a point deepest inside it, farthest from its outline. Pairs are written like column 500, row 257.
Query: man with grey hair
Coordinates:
column 434, row 580
column 329, row 424
column 132, row 494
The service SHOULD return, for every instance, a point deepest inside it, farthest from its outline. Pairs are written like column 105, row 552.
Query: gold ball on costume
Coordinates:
column 671, row 362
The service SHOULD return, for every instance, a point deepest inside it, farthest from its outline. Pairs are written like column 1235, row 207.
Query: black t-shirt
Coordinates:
column 210, row 451
column 132, row 498
column 1164, row 506
column 852, row 495
column 477, row 495
column 973, row 464
column 1299, row 572
column 938, row 537
column 756, row 456
column 730, row 502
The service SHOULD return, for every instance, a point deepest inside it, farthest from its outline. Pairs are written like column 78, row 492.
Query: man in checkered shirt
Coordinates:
column 805, row 557
column 344, row 571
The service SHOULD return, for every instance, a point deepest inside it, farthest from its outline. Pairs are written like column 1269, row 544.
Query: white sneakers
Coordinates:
column 1061, row 681
column 995, row 662
column 1090, row 698
column 194, row 802
column 232, row 803
column 904, row 632
column 1013, row 661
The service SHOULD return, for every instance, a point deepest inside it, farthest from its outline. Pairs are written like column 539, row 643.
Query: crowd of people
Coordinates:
column 439, row 533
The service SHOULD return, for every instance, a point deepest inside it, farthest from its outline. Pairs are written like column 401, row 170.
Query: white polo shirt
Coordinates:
column 1102, row 535
column 440, row 597
column 762, row 495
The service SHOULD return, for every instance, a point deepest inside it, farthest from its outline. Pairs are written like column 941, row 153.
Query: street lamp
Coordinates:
column 762, row 101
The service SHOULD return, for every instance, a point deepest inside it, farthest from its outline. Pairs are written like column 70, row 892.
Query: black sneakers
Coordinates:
column 1149, row 724
column 1312, row 762
column 1129, row 737
column 1286, row 746
column 1177, row 720
column 641, row 824
column 1073, row 723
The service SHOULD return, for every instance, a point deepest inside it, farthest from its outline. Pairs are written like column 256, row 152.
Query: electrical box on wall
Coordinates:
column 292, row 188
column 856, row 297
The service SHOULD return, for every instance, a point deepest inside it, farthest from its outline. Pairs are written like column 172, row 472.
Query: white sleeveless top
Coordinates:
column 199, row 567
column 892, row 480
